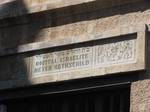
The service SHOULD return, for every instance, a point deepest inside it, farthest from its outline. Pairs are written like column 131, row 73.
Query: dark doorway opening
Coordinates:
column 106, row 100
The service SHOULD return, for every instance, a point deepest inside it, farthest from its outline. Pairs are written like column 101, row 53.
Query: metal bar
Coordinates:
column 20, row 94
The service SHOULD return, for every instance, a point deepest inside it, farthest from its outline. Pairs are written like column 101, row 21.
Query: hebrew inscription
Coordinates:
column 78, row 58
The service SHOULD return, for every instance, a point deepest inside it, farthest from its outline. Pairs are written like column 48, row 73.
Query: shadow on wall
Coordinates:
column 12, row 8
column 15, row 31
column 30, row 28
column 12, row 34
column 14, row 66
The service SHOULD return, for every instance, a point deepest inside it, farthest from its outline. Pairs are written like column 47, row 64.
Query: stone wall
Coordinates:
column 140, row 96
column 11, row 8
column 77, row 21
column 45, row 26
column 64, row 26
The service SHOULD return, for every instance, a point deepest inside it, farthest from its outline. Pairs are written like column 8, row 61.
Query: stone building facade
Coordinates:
column 50, row 47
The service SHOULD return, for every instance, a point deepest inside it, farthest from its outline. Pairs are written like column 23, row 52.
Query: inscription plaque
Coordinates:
column 97, row 55
column 114, row 53
column 120, row 51
column 62, row 60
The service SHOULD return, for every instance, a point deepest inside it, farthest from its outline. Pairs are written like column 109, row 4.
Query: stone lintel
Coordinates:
column 122, row 51
column 69, row 41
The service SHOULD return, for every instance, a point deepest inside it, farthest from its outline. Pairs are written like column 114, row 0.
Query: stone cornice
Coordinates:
column 69, row 41
column 12, row 8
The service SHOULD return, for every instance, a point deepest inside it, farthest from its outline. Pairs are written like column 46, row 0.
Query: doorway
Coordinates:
column 108, row 100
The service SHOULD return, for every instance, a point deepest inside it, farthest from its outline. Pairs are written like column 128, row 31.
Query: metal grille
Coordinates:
column 93, row 101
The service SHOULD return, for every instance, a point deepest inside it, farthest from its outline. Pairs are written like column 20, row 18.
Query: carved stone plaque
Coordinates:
column 98, row 55
column 63, row 60
column 115, row 53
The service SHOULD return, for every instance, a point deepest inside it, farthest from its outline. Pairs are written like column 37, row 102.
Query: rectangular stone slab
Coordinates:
column 104, row 56
column 96, row 58
column 99, row 54
column 119, row 53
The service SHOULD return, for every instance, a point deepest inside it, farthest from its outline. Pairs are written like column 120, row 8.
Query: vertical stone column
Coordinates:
column 140, row 96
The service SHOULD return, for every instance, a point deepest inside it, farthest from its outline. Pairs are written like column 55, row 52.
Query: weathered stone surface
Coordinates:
column 65, row 26
column 105, row 56
column 14, row 67
column 11, row 8
column 100, row 54
column 67, row 22
column 140, row 96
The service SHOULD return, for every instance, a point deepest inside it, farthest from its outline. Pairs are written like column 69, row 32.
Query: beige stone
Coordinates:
column 22, row 64
column 140, row 96
column 21, row 7
column 55, row 23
